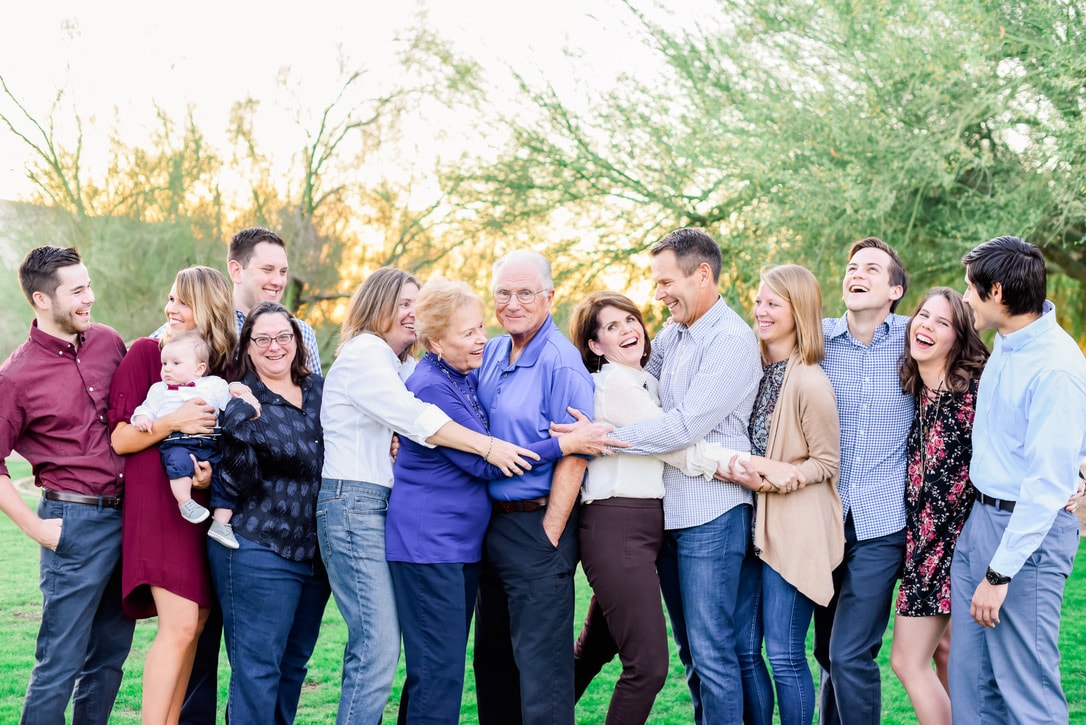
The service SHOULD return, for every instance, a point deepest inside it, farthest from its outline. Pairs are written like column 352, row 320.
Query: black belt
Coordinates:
column 106, row 502
column 997, row 503
column 515, row 507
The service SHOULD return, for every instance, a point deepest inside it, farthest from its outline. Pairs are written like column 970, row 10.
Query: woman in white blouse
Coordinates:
column 621, row 527
column 365, row 402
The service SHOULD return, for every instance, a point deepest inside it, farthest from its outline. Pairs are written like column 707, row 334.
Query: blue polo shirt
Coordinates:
column 523, row 399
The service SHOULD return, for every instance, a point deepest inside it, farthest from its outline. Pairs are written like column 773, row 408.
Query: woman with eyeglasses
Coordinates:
column 273, row 587
column 365, row 403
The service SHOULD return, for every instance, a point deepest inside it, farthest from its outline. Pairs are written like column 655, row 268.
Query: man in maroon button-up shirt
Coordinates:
column 54, row 391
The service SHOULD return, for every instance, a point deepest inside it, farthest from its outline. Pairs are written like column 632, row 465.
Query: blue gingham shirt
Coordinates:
column 1030, row 432
column 875, row 419
column 709, row 374
column 309, row 338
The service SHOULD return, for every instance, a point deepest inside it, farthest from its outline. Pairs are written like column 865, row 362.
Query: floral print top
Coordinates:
column 938, row 494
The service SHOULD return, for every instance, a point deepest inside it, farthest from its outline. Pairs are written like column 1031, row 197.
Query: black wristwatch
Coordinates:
column 996, row 579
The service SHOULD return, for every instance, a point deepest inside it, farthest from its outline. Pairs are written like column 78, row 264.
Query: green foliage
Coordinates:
column 790, row 129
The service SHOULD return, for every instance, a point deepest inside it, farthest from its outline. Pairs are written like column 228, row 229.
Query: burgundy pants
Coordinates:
column 620, row 539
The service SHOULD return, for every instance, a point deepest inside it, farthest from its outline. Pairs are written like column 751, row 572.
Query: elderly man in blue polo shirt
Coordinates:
column 862, row 351
column 524, row 614
column 1018, row 545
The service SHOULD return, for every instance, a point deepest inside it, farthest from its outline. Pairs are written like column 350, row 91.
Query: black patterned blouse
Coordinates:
column 271, row 467
column 769, row 389
column 938, row 494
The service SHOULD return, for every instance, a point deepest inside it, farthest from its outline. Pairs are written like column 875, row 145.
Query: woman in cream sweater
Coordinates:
column 798, row 532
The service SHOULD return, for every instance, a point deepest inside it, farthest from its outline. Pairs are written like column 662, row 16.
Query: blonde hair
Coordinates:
column 193, row 339
column 211, row 296
column 438, row 300
column 799, row 288
column 373, row 306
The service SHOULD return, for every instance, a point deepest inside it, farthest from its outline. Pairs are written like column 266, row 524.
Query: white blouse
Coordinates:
column 625, row 395
column 365, row 402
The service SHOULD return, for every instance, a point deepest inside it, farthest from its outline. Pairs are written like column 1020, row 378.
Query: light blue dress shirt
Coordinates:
column 1030, row 432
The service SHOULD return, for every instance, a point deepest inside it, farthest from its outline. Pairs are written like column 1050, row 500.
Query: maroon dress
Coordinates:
column 158, row 547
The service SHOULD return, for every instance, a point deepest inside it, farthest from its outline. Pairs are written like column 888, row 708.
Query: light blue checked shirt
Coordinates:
column 309, row 338
column 709, row 374
column 1030, row 432
column 875, row 419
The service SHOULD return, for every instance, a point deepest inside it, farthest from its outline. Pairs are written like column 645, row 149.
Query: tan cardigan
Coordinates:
column 802, row 534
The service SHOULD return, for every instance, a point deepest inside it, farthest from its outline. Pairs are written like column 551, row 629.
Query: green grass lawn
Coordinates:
column 20, row 604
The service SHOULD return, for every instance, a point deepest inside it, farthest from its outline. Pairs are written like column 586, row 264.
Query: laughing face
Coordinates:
column 461, row 346
column 70, row 304
column 931, row 332
column 866, row 286
column 620, row 337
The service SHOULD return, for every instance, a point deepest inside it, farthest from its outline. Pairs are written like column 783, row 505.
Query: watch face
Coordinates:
column 996, row 579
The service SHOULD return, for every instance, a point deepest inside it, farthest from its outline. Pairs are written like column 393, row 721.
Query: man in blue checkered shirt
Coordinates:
column 862, row 351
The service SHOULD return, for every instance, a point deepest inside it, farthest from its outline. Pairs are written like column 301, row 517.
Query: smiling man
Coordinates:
column 862, row 351
column 524, row 620
column 54, row 395
column 1018, row 545
column 709, row 368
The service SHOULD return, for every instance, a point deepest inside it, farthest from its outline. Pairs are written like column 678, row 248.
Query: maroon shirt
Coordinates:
column 53, row 403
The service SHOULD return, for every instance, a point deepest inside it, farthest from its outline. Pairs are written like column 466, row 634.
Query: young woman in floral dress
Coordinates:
column 941, row 366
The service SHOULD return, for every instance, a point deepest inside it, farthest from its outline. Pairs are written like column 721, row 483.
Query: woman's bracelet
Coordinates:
column 489, row 450
column 761, row 489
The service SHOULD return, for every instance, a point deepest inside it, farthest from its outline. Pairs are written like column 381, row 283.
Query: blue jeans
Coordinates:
column 524, row 623
column 770, row 608
column 849, row 631
column 272, row 609
column 435, row 603
column 1011, row 672
column 84, row 638
column 699, row 575
column 351, row 531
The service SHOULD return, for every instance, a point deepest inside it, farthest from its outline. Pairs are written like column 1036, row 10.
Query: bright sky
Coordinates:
column 116, row 59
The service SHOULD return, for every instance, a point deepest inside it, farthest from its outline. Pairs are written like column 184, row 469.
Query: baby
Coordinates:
column 184, row 368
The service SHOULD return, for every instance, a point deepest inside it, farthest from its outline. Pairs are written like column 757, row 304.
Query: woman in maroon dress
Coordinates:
column 164, row 569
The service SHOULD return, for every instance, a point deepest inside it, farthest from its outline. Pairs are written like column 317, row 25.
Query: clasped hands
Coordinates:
column 774, row 477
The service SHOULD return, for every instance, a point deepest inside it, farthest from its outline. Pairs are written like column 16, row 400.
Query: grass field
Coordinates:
column 20, row 605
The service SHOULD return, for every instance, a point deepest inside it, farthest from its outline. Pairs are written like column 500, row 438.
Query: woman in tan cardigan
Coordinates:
column 798, row 531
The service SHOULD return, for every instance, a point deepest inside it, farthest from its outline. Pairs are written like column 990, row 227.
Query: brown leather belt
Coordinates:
column 997, row 503
column 106, row 502
column 516, row 507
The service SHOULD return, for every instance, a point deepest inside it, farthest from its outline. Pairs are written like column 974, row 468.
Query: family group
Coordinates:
column 742, row 480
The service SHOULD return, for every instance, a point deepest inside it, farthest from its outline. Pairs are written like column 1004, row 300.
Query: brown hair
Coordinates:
column 967, row 355
column 298, row 369
column 373, row 306
column 799, row 288
column 584, row 325
column 898, row 277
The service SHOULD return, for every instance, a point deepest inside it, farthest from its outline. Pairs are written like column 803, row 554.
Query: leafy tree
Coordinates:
column 791, row 128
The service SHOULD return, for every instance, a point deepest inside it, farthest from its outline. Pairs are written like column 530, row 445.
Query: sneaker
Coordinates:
column 193, row 512
column 224, row 534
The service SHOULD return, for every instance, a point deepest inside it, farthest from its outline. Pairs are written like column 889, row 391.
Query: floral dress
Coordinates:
column 938, row 494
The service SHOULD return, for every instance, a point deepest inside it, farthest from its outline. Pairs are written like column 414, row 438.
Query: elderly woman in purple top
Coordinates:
column 439, row 508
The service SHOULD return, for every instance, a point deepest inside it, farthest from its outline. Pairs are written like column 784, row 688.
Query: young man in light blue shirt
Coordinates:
column 1018, row 545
